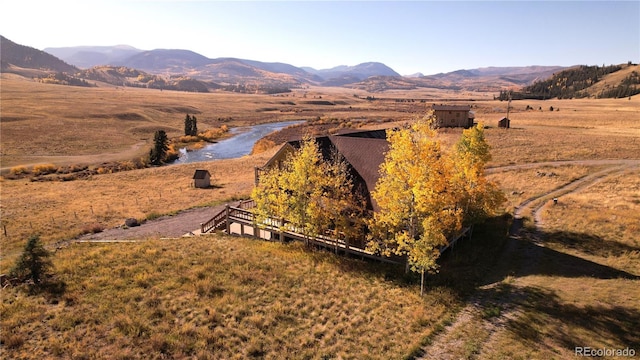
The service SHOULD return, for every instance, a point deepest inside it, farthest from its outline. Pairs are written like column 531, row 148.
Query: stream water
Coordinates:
column 238, row 145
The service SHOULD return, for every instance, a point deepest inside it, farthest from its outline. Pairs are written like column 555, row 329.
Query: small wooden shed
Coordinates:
column 504, row 123
column 202, row 179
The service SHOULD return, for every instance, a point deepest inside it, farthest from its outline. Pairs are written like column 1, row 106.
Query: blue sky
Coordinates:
column 412, row 36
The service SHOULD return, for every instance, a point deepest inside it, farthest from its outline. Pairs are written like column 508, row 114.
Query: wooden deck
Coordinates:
column 241, row 220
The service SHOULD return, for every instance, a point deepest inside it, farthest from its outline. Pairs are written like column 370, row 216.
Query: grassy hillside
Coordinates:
column 221, row 297
column 614, row 81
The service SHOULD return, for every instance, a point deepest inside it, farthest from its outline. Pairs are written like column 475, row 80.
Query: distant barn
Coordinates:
column 453, row 116
column 202, row 179
column 504, row 123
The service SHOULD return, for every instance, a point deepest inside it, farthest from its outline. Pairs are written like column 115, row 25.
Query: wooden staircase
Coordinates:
column 219, row 221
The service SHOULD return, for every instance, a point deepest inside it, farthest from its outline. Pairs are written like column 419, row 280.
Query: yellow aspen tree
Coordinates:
column 314, row 196
column 417, row 211
column 299, row 181
column 342, row 209
column 478, row 197
column 269, row 198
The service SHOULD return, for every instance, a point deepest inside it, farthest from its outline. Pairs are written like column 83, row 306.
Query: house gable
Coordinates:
column 363, row 152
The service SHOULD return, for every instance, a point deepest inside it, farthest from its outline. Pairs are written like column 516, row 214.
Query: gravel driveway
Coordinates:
column 163, row 227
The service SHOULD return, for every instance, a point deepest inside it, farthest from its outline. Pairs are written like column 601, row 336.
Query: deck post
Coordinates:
column 280, row 227
column 254, row 221
column 227, row 219
column 346, row 245
column 202, row 228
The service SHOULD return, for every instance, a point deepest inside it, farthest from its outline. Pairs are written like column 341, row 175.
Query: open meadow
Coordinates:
column 570, row 278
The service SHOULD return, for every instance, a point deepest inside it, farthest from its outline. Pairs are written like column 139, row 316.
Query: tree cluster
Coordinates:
column 426, row 196
column 628, row 87
column 566, row 84
column 63, row 79
column 313, row 194
column 190, row 125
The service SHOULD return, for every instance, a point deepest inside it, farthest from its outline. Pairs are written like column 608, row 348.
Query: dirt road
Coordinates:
column 163, row 227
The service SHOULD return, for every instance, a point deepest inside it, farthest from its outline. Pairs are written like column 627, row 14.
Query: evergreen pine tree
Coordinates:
column 194, row 126
column 34, row 263
column 160, row 147
column 187, row 125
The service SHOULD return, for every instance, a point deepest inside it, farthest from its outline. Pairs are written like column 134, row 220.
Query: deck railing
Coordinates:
column 245, row 217
column 282, row 229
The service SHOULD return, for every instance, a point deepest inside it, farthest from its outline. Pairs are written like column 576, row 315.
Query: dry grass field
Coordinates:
column 582, row 289
column 217, row 298
column 579, row 289
column 222, row 297
column 43, row 123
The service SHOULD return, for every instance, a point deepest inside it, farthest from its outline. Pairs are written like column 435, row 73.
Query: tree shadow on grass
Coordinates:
column 525, row 254
column 587, row 243
column 543, row 314
column 492, row 255
column 464, row 267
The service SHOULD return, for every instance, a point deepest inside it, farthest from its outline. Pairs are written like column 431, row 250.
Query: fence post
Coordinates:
column 202, row 228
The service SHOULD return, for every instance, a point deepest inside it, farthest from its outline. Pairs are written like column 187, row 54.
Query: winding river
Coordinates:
column 237, row 146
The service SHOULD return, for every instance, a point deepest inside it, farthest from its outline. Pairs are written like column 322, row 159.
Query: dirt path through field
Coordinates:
column 475, row 327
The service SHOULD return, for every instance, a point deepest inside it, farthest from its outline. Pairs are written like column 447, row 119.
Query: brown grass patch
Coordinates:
column 606, row 217
column 232, row 297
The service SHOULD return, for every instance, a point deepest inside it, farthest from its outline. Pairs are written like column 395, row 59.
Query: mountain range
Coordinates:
column 164, row 68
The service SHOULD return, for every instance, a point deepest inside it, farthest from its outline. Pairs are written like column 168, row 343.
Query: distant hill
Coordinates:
column 251, row 75
column 186, row 70
column 489, row 79
column 20, row 56
column 86, row 57
column 123, row 76
column 482, row 79
column 164, row 61
column 221, row 70
column 342, row 75
column 414, row 75
column 614, row 81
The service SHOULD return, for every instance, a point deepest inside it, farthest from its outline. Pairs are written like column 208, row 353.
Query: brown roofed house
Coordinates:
column 363, row 151
column 453, row 116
